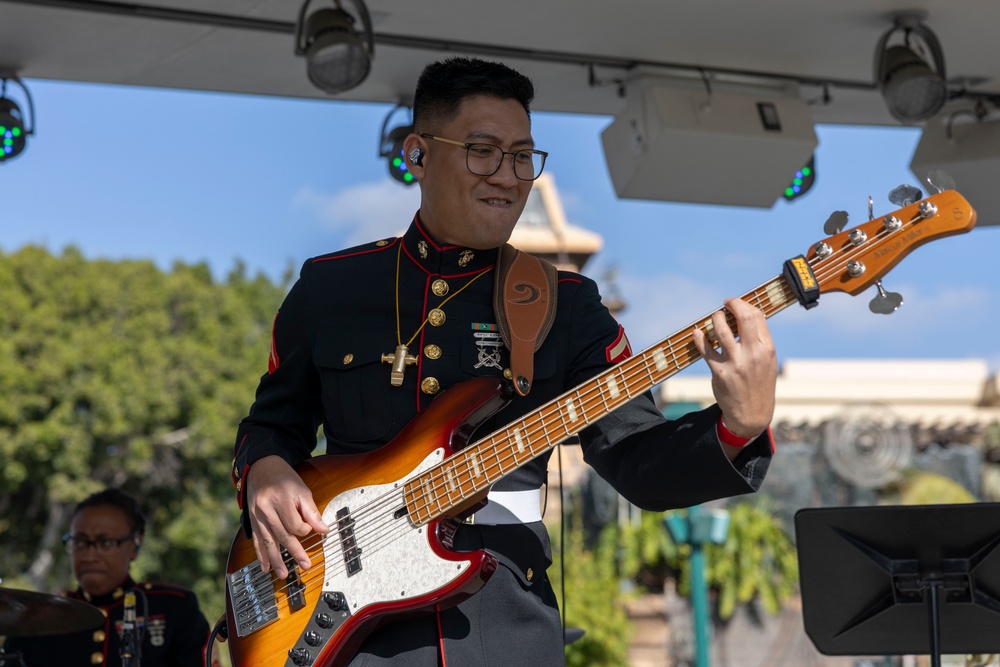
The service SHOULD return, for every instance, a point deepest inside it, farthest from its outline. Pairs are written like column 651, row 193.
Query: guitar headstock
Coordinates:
column 857, row 258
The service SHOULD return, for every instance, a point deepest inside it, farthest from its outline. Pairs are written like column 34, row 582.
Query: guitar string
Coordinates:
column 585, row 399
column 855, row 250
column 851, row 253
column 377, row 538
column 839, row 259
column 690, row 356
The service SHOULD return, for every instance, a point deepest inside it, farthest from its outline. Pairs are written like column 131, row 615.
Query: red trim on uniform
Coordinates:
column 239, row 479
column 474, row 273
column 417, row 394
column 241, row 492
column 619, row 350
column 175, row 593
column 727, row 437
column 570, row 280
column 406, row 251
column 423, row 232
column 272, row 358
column 437, row 612
column 329, row 258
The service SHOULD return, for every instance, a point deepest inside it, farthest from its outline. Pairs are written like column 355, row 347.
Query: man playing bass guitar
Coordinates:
column 369, row 337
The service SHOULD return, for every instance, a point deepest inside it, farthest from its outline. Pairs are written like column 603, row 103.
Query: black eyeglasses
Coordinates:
column 485, row 159
column 103, row 545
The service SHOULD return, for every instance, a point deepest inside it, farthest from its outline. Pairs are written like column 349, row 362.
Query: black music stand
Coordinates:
column 898, row 580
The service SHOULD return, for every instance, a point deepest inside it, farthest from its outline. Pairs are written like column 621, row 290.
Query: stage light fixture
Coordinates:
column 966, row 148
column 397, row 161
column 13, row 132
column 338, row 57
column 802, row 181
column 391, row 148
column 676, row 141
column 914, row 89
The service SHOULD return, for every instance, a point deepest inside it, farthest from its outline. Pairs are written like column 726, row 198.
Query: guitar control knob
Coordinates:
column 324, row 621
column 335, row 601
column 313, row 638
column 300, row 656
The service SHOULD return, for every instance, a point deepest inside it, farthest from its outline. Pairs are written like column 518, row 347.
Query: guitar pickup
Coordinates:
column 348, row 544
column 294, row 588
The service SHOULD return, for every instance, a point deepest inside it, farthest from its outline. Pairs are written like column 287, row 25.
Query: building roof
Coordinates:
column 924, row 392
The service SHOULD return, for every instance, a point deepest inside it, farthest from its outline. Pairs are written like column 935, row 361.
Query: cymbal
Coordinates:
column 28, row 614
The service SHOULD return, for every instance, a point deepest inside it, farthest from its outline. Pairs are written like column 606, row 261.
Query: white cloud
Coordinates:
column 363, row 212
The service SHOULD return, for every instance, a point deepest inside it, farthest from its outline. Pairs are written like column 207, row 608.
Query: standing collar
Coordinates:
column 445, row 260
column 106, row 600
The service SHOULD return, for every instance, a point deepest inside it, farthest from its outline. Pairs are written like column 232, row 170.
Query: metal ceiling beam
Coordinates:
column 428, row 44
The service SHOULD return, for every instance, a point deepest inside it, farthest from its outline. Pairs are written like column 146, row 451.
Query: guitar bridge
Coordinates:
column 294, row 587
column 251, row 593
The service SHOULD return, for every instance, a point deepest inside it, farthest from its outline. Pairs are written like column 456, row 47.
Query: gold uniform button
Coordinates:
column 348, row 358
column 99, row 635
column 507, row 373
column 530, row 574
column 432, row 352
column 97, row 658
column 430, row 386
column 436, row 317
column 439, row 287
column 382, row 243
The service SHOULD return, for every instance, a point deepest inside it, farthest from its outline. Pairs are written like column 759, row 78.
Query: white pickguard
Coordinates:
column 397, row 560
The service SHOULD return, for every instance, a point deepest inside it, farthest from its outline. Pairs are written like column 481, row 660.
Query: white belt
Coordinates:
column 511, row 507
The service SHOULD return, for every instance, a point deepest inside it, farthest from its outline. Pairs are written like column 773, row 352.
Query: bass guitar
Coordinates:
column 389, row 551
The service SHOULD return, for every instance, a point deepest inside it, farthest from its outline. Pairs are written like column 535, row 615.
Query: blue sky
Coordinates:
column 175, row 175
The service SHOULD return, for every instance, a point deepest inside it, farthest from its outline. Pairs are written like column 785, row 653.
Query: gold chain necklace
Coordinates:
column 401, row 358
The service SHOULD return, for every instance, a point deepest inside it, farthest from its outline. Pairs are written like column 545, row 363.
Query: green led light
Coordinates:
column 789, row 192
column 407, row 177
column 796, row 181
column 3, row 130
column 8, row 142
column 806, row 171
column 396, row 162
column 16, row 131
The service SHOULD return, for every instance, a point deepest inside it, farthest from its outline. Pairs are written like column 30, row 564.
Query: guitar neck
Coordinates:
column 441, row 489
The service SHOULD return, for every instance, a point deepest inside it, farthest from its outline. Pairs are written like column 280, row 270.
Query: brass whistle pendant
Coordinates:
column 399, row 360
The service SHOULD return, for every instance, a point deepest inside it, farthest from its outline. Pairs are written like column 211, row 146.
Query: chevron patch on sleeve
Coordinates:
column 619, row 350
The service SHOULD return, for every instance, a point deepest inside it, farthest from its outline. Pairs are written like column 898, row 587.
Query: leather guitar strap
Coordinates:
column 524, row 300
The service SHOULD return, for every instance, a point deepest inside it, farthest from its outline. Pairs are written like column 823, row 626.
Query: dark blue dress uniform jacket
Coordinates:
column 330, row 333
column 176, row 632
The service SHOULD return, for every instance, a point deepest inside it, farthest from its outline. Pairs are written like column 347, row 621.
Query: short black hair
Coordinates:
column 112, row 497
column 443, row 86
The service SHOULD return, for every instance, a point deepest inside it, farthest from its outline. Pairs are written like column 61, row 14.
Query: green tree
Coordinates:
column 756, row 562
column 594, row 601
column 121, row 374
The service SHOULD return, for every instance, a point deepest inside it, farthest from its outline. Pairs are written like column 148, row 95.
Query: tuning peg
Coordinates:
column 904, row 195
column 940, row 180
column 885, row 303
column 835, row 223
column 871, row 209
